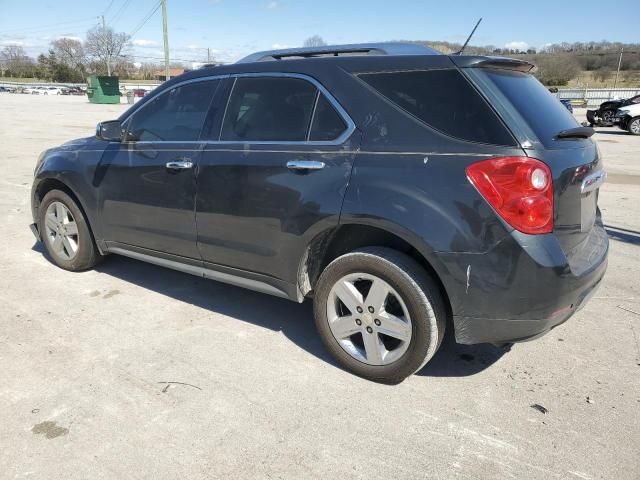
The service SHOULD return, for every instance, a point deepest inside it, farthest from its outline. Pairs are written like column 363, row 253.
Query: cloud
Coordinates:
column 273, row 5
column 70, row 37
column 141, row 42
column 17, row 43
column 280, row 46
column 520, row 46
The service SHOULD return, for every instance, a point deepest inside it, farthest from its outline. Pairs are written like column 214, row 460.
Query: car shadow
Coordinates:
column 294, row 320
column 612, row 132
column 456, row 360
column 623, row 235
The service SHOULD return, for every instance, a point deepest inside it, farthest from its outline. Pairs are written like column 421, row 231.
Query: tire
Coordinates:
column 633, row 126
column 607, row 116
column 54, row 222
column 419, row 303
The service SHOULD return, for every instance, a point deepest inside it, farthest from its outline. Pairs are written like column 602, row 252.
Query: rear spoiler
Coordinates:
column 471, row 61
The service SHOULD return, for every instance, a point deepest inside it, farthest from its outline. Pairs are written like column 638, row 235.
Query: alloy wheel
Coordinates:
column 369, row 319
column 61, row 230
column 634, row 127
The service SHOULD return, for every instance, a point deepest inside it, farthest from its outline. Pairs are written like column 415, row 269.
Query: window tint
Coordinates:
column 176, row 115
column 269, row 109
column 327, row 123
column 543, row 113
column 445, row 100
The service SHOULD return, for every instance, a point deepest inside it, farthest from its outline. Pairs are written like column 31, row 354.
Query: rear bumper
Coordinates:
column 523, row 287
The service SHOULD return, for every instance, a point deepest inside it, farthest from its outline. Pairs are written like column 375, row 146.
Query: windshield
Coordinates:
column 540, row 109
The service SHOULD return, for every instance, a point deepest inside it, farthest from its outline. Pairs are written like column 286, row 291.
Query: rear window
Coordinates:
column 444, row 100
column 540, row 109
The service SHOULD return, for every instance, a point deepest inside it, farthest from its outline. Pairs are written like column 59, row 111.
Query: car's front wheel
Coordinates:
column 65, row 232
column 379, row 313
column 607, row 116
column 634, row 126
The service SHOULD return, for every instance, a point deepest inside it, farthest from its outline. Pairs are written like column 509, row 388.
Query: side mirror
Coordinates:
column 110, row 131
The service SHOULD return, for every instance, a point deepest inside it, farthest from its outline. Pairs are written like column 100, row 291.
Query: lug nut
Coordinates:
column 369, row 330
column 377, row 322
column 370, row 309
column 359, row 309
column 358, row 321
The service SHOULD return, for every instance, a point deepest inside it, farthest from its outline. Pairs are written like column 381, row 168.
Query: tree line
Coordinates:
column 105, row 52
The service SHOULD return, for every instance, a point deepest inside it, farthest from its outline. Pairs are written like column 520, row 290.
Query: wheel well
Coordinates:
column 48, row 184
column 328, row 246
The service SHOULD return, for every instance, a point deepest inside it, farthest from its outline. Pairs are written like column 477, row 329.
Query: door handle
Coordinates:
column 305, row 165
column 180, row 165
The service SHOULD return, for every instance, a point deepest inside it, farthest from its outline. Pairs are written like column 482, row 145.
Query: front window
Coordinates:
column 176, row 115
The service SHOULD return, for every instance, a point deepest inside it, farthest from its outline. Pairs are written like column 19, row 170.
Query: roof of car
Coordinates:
column 390, row 48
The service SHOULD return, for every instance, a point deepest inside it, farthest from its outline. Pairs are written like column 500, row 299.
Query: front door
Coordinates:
column 147, row 183
column 275, row 178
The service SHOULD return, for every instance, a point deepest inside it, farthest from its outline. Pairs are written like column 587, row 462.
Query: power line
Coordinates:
column 108, row 7
column 47, row 27
column 120, row 11
column 145, row 19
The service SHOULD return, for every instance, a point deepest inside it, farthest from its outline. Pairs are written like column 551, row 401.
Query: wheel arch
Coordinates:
column 47, row 184
column 332, row 243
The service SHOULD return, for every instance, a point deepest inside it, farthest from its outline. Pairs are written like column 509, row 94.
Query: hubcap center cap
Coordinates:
column 367, row 320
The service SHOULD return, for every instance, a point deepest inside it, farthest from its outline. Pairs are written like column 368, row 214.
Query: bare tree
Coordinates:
column 14, row 59
column 314, row 41
column 70, row 53
column 105, row 46
column 556, row 69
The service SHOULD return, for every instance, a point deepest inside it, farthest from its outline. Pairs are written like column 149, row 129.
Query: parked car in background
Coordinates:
column 405, row 191
column 52, row 90
column 29, row 90
column 605, row 115
column 567, row 104
column 629, row 118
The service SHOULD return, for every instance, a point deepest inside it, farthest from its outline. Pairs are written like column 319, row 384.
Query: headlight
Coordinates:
column 622, row 113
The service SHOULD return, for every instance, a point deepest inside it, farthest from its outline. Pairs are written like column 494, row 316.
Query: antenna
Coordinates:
column 468, row 38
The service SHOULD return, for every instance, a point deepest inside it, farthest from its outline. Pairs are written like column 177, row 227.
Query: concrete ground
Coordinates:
column 132, row 371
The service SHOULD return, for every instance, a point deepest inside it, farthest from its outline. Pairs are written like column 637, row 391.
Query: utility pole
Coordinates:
column 208, row 55
column 166, row 40
column 615, row 84
column 104, row 32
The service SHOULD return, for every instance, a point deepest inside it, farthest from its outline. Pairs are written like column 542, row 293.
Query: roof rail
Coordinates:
column 390, row 48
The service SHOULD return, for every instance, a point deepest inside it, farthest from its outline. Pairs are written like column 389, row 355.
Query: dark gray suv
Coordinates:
column 404, row 190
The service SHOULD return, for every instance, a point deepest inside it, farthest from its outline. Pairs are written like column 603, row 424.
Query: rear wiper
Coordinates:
column 577, row 132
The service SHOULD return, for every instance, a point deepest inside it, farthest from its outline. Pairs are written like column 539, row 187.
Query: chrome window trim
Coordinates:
column 351, row 126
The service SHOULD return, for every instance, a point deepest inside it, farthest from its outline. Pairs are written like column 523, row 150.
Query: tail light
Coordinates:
column 520, row 189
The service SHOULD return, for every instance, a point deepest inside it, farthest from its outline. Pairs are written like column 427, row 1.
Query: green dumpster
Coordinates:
column 102, row 89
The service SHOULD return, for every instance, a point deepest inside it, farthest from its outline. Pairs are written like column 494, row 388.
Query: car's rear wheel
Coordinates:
column 634, row 126
column 379, row 313
column 65, row 232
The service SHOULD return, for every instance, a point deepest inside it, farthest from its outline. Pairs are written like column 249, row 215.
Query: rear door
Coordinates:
column 147, row 184
column 274, row 174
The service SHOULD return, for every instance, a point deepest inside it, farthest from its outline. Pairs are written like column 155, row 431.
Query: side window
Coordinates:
column 176, row 115
column 444, row 100
column 327, row 123
column 269, row 109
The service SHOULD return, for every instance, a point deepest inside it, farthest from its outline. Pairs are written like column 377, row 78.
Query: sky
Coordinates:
column 232, row 29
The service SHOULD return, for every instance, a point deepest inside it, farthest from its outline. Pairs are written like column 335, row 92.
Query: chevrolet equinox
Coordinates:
column 405, row 191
